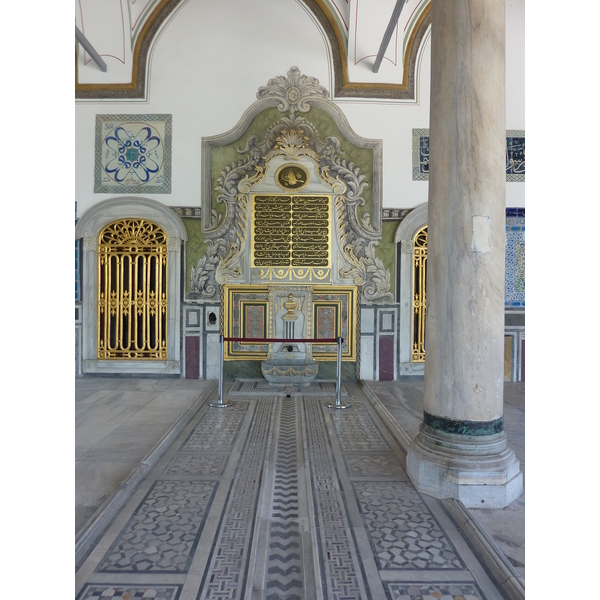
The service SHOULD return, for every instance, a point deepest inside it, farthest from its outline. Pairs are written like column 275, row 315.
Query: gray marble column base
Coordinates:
column 480, row 471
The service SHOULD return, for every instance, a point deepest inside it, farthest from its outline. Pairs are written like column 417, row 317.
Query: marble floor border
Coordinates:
column 271, row 495
column 493, row 558
column 102, row 518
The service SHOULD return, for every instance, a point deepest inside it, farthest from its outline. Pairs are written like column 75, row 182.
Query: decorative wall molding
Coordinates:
column 394, row 214
column 188, row 212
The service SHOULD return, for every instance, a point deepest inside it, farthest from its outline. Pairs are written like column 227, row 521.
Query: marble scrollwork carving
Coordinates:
column 294, row 137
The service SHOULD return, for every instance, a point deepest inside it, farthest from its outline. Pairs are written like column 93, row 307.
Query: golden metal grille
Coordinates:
column 291, row 231
column 132, row 291
column 419, row 296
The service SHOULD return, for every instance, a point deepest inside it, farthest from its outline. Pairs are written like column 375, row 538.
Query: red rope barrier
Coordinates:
column 263, row 340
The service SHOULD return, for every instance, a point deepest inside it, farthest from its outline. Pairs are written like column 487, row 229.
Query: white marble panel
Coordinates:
column 212, row 371
column 386, row 322
column 367, row 320
column 213, row 349
column 366, row 358
column 193, row 318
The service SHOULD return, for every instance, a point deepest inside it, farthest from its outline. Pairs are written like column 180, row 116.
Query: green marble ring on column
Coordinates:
column 460, row 427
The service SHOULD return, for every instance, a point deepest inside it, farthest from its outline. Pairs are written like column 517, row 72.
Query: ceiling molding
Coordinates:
column 136, row 88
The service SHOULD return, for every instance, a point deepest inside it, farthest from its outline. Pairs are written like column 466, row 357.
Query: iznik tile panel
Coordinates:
column 133, row 154
column 515, row 258
column 515, row 155
column 420, row 155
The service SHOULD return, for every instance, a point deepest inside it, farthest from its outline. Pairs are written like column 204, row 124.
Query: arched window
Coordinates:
column 419, row 295
column 132, row 291
column 90, row 229
column 411, row 238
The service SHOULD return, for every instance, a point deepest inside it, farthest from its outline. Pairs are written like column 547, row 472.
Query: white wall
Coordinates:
column 209, row 61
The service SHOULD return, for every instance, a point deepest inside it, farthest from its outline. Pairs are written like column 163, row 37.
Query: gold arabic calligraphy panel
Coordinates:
column 292, row 232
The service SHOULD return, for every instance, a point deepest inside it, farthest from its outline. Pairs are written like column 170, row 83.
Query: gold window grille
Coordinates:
column 419, row 295
column 132, row 291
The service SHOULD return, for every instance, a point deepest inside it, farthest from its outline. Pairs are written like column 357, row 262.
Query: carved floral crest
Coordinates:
column 294, row 92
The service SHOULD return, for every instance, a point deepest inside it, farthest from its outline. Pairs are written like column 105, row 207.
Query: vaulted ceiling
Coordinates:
column 123, row 32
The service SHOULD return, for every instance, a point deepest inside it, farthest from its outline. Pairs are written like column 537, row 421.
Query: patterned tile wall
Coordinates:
column 133, row 154
column 515, row 155
column 515, row 258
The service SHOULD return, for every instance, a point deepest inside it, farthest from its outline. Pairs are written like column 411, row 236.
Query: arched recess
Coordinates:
column 88, row 229
column 404, row 239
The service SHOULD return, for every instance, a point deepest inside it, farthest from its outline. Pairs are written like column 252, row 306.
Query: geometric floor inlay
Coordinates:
column 284, row 565
column 231, row 551
column 403, row 530
column 376, row 465
column 283, row 498
column 161, row 534
column 192, row 465
column 440, row 591
column 357, row 431
column 341, row 563
column 217, row 431
column 130, row 592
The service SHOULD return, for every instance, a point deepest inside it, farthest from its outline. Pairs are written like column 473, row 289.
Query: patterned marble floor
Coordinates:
column 283, row 498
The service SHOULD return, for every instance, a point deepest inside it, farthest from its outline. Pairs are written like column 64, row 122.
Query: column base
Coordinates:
column 481, row 471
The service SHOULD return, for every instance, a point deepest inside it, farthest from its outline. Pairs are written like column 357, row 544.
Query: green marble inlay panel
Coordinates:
column 196, row 247
column 386, row 251
column 224, row 156
column 328, row 371
column 361, row 157
column 459, row 427
column 241, row 369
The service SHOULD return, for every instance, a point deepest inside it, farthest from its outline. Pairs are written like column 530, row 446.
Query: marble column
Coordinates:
column 461, row 449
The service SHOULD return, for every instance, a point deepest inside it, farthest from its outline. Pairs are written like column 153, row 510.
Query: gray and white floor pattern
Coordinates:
column 283, row 498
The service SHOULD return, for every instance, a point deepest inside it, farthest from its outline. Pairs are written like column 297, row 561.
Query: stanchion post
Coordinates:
column 338, row 385
column 221, row 403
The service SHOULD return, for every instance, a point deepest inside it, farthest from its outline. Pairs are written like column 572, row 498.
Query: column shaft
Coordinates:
column 461, row 448
column 464, row 369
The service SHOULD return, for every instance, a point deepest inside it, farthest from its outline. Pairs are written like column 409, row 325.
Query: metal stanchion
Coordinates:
column 221, row 403
column 338, row 399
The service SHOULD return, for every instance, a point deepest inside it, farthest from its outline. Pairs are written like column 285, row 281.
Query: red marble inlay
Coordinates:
column 192, row 357
column 326, row 322
column 386, row 359
column 254, row 324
